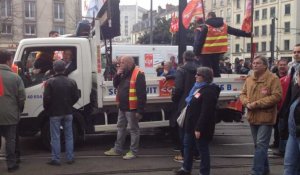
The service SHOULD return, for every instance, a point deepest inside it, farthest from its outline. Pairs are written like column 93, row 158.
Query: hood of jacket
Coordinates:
column 215, row 22
column 190, row 66
column 212, row 88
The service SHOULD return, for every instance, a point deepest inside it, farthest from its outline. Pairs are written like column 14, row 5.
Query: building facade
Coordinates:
column 33, row 18
column 287, row 27
column 129, row 15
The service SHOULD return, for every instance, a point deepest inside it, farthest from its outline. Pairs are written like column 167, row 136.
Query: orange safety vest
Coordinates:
column 216, row 40
column 132, row 89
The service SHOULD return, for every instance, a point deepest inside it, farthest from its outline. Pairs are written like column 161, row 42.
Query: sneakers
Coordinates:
column 111, row 152
column 178, row 158
column 13, row 169
column 53, row 163
column 70, row 162
column 181, row 172
column 129, row 156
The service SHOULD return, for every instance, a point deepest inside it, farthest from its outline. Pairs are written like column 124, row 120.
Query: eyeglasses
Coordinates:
column 296, row 52
column 199, row 74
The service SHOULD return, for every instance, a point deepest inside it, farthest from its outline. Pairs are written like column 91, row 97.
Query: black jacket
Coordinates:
column 214, row 22
column 200, row 115
column 60, row 94
column 184, row 81
column 292, row 94
column 121, row 82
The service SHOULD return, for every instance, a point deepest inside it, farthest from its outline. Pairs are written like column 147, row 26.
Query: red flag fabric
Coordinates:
column 174, row 24
column 247, row 23
column 193, row 8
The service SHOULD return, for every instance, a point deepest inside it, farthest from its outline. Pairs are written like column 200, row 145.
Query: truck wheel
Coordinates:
column 46, row 138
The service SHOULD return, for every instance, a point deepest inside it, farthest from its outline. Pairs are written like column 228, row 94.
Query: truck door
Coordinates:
column 36, row 66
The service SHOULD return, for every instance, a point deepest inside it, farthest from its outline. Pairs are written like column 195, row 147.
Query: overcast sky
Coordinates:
column 146, row 3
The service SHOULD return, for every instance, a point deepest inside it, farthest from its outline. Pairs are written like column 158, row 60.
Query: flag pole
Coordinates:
column 252, row 49
column 203, row 9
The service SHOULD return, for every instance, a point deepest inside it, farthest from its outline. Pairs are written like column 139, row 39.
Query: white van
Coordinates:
column 147, row 57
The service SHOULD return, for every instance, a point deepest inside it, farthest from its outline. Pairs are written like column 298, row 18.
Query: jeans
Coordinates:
column 55, row 123
column 189, row 143
column 124, row 118
column 9, row 133
column 292, row 156
column 261, row 136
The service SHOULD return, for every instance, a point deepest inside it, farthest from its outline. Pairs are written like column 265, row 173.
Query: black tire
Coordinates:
column 46, row 138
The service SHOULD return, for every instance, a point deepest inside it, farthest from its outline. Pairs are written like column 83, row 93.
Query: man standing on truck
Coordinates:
column 260, row 95
column 60, row 94
column 212, row 42
column 132, row 96
column 12, row 98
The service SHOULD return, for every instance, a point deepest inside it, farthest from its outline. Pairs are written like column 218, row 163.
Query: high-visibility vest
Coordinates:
column 132, row 89
column 216, row 40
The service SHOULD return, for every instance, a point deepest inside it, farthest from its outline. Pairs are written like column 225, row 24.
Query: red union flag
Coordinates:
column 193, row 8
column 174, row 24
column 247, row 23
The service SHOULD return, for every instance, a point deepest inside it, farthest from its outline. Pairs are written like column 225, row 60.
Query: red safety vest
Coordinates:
column 132, row 89
column 216, row 40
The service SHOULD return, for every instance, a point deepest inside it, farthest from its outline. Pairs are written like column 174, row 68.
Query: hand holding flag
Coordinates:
column 193, row 8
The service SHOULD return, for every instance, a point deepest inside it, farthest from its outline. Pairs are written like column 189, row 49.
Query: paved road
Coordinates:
column 231, row 152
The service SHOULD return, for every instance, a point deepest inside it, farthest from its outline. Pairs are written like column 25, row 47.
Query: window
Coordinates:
column 5, row 8
column 6, row 29
column 29, row 9
column 248, row 47
column 237, row 48
column 286, row 44
column 60, row 29
column 287, row 9
column 59, row 11
column 228, row 2
column 222, row 2
column 256, row 2
column 287, row 27
column 270, row 29
column 30, row 29
column 264, row 13
column 214, row 3
column 31, row 72
column 238, row 4
column 221, row 13
column 264, row 46
column 272, row 12
column 256, row 47
column 256, row 15
column 238, row 18
column 264, row 1
column 264, row 30
column 256, row 31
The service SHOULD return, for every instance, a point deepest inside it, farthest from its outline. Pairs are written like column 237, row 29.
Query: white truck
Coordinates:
column 96, row 110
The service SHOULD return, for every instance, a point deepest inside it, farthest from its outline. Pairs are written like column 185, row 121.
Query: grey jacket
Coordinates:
column 13, row 97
